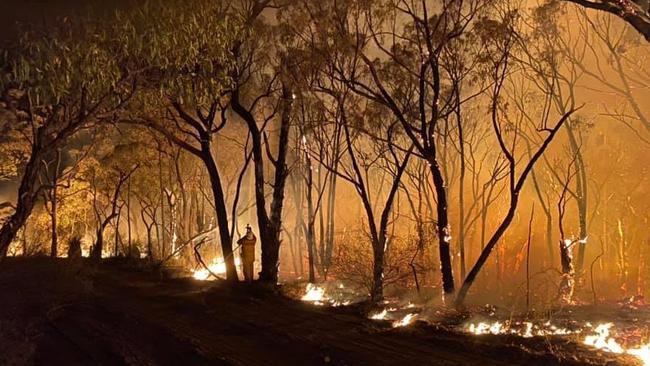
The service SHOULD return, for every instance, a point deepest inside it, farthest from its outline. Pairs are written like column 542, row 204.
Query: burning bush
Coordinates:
column 352, row 261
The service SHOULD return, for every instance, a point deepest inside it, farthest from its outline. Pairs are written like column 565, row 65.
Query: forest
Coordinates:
column 341, row 182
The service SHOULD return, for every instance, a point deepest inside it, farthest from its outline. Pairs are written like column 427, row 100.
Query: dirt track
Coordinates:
column 53, row 313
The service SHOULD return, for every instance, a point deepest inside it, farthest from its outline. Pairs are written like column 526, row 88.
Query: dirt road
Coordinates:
column 54, row 313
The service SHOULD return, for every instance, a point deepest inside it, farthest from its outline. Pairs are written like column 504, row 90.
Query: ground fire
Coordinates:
column 325, row 182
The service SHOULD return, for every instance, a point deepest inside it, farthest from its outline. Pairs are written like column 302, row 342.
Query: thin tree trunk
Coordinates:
column 485, row 254
column 329, row 239
column 311, row 240
column 54, row 249
column 117, row 233
column 128, row 216
column 163, row 253
column 443, row 228
column 581, row 197
column 298, row 228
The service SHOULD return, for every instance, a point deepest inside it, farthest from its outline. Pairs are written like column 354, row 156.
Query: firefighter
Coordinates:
column 247, row 243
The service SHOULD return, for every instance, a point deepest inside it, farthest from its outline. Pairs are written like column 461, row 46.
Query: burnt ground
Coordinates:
column 53, row 312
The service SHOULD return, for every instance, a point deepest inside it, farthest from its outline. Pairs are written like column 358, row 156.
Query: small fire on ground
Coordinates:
column 598, row 337
column 603, row 341
column 336, row 296
column 318, row 295
column 217, row 266
column 396, row 316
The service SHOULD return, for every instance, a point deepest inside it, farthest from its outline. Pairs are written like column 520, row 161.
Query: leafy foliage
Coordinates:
column 183, row 47
column 70, row 59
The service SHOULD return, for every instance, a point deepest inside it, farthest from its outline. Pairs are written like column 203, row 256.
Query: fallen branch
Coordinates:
column 199, row 259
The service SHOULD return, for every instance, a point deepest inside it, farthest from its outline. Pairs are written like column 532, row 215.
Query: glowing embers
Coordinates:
column 379, row 316
column 602, row 340
column 599, row 337
column 314, row 294
column 406, row 320
column 218, row 267
column 318, row 295
column 522, row 329
column 396, row 315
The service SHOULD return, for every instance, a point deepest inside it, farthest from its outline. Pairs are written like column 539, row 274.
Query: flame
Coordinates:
column 218, row 267
column 485, row 328
column 379, row 316
column 599, row 338
column 317, row 295
column 405, row 320
column 522, row 329
column 603, row 341
column 642, row 353
column 314, row 294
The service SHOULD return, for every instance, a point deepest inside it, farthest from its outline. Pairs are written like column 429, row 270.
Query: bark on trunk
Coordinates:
column 377, row 292
column 270, row 257
column 54, row 247
column 96, row 254
column 269, row 227
column 311, row 236
column 222, row 215
column 443, row 228
column 26, row 200
column 329, row 238
column 567, row 284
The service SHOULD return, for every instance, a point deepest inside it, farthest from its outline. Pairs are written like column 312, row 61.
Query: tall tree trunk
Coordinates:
column 329, row 238
column 54, row 248
column 377, row 292
column 321, row 229
column 128, row 217
column 270, row 257
column 298, row 228
column 567, row 283
column 221, row 212
column 149, row 243
column 96, row 254
column 485, row 254
column 116, row 249
column 581, row 196
column 27, row 192
column 163, row 253
column 24, row 240
column 270, row 227
column 547, row 214
column 311, row 240
column 98, row 248
column 461, row 224
column 443, row 228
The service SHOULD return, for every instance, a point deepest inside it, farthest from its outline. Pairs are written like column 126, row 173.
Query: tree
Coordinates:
column 263, row 91
column 500, row 35
column 57, row 180
column 635, row 12
column 388, row 158
column 67, row 79
column 414, row 76
column 190, row 66
column 106, row 202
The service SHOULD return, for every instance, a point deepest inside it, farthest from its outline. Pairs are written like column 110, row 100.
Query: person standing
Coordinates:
column 247, row 243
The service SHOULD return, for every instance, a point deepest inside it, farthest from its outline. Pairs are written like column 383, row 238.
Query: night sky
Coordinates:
column 44, row 11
